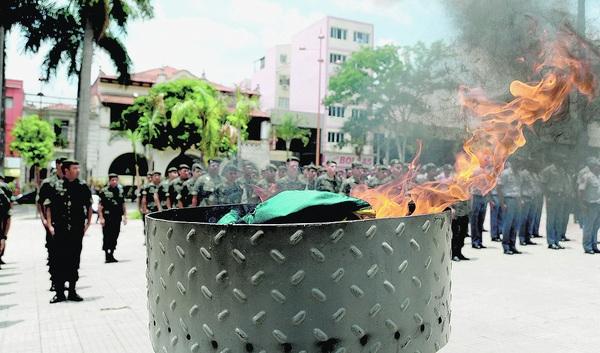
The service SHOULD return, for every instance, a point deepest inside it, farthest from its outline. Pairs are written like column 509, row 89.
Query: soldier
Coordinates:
column 5, row 218
column 46, row 188
column 396, row 169
column 229, row 191
column 150, row 198
column 163, row 188
column 553, row 179
column 527, row 212
column 538, row 202
column 267, row 184
column 380, row 178
column 292, row 180
column 188, row 190
column 329, row 181
column 311, row 177
column 141, row 191
column 509, row 195
column 184, row 186
column 589, row 191
column 112, row 211
column 176, row 185
column 68, row 215
column 248, row 181
column 460, row 225
column 356, row 177
column 496, row 215
column 477, row 216
column 207, row 184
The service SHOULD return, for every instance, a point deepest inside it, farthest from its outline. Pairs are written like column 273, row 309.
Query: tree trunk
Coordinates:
column 288, row 144
column 2, row 98
column 581, row 102
column 239, row 148
column 83, row 99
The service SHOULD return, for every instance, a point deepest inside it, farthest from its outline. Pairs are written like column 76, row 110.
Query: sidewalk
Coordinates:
column 541, row 301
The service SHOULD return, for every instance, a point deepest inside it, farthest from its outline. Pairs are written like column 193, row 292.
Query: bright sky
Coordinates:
column 224, row 37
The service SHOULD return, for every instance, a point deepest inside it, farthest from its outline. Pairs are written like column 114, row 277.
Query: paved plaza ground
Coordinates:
column 540, row 301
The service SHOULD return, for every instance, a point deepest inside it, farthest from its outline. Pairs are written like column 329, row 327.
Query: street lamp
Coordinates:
column 320, row 62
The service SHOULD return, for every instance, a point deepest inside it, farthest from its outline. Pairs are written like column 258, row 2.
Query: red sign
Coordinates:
column 346, row 160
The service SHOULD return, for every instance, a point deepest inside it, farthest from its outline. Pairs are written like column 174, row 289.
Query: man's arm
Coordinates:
column 49, row 221
column 125, row 213
column 144, row 204
column 89, row 219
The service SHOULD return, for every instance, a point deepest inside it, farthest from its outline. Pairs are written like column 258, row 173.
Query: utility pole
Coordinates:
column 320, row 61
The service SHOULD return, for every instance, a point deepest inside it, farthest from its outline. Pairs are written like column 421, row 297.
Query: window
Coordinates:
column 336, row 111
column 283, row 103
column 284, row 80
column 262, row 62
column 283, row 58
column 338, row 33
column 335, row 137
column 8, row 103
column 336, row 58
column 359, row 113
column 361, row 37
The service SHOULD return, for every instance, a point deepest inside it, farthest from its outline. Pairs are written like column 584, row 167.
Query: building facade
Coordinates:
column 288, row 78
column 13, row 103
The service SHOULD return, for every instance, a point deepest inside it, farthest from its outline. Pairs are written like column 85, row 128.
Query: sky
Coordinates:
column 223, row 38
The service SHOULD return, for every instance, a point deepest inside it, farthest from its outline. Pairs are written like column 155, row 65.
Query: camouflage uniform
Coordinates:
column 163, row 193
column 205, row 188
column 175, row 188
column 326, row 183
column 229, row 193
column 186, row 193
column 149, row 193
column 347, row 185
column 287, row 183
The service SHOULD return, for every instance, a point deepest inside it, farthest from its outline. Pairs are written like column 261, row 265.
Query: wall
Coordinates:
column 14, row 90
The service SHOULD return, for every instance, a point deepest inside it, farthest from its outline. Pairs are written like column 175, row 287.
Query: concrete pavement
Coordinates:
column 540, row 301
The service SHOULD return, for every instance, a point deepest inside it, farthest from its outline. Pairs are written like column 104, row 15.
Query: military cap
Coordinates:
column 69, row 162
column 214, row 160
column 357, row 165
column 230, row 167
column 172, row 169
column 271, row 166
column 156, row 172
column 112, row 175
column 184, row 166
column 382, row 167
column 149, row 174
column 197, row 166
column 293, row 159
column 395, row 161
column 311, row 166
column 330, row 162
column 60, row 160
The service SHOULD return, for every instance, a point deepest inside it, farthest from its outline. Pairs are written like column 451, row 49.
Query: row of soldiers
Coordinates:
column 229, row 184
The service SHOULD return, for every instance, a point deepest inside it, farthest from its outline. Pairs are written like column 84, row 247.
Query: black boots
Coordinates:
column 109, row 257
column 60, row 294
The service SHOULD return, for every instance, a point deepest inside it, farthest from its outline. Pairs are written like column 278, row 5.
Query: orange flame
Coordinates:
column 499, row 135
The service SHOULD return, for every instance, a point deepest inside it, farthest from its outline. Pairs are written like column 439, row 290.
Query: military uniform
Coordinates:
column 46, row 188
column 69, row 203
column 112, row 200
column 589, row 186
column 5, row 214
column 205, row 189
column 229, row 193
column 460, row 225
column 510, row 183
column 347, row 185
column 185, row 191
column 326, row 183
column 163, row 193
column 287, row 183
column 527, row 212
column 148, row 194
column 175, row 187
column 554, row 181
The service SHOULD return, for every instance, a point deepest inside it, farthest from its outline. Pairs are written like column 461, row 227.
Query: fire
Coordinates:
column 499, row 134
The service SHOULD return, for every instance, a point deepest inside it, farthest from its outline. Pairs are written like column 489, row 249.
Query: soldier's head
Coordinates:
column 357, row 170
column 250, row 170
column 382, row 172
column 595, row 166
column 231, row 172
column 149, row 177
column 59, row 161
column 331, row 167
column 113, row 180
column 293, row 164
column 172, row 173
column 269, row 172
column 281, row 171
column 183, row 171
column 396, row 168
column 197, row 170
column 311, row 171
column 156, row 177
column 213, row 166
column 70, row 169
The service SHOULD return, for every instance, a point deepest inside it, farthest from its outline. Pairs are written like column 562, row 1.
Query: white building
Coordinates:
column 287, row 78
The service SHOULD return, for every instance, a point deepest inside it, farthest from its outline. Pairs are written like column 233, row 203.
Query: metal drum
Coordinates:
column 380, row 285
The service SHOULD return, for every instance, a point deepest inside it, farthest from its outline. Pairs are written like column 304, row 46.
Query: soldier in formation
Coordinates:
column 111, row 212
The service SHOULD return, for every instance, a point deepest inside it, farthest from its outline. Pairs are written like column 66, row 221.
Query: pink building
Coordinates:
column 293, row 85
column 15, row 98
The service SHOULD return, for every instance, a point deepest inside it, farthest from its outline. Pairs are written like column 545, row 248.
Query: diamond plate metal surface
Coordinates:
column 359, row 286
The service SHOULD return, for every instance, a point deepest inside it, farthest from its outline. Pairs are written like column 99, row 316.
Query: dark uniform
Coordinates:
column 186, row 192
column 46, row 189
column 112, row 200
column 149, row 193
column 205, row 189
column 5, row 205
column 69, row 203
column 163, row 193
column 326, row 183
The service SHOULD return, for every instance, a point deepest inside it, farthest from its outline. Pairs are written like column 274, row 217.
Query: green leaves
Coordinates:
column 288, row 130
column 34, row 140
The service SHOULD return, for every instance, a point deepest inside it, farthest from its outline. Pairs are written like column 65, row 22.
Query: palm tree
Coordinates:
column 288, row 130
column 26, row 14
column 81, row 25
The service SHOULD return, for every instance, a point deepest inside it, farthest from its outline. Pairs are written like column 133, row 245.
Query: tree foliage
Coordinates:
column 289, row 130
column 394, row 85
column 180, row 114
column 33, row 140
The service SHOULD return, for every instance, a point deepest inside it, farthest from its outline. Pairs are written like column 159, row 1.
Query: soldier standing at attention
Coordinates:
column 589, row 191
column 5, row 205
column 150, row 199
column 206, row 184
column 509, row 195
column 292, row 180
column 460, row 225
column 356, row 176
column 112, row 211
column 311, row 177
column 176, row 185
column 189, row 187
column 45, row 191
column 163, row 190
column 184, row 195
column 268, row 183
column 230, row 190
column 329, row 181
column 68, row 215
column 248, row 181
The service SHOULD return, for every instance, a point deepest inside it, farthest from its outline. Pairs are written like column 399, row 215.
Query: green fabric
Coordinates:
column 300, row 206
